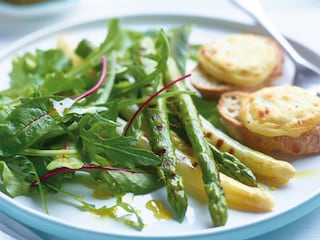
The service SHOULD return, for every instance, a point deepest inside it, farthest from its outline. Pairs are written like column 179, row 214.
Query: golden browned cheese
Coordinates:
column 240, row 59
column 280, row 111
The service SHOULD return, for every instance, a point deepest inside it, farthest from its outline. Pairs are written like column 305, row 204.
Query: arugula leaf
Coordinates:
column 59, row 82
column 108, row 148
column 28, row 71
column 136, row 71
column 28, row 74
column 179, row 41
column 12, row 95
column 113, row 41
column 18, row 172
column 13, row 182
column 122, row 182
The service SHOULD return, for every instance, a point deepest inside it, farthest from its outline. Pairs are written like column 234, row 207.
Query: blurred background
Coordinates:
column 291, row 16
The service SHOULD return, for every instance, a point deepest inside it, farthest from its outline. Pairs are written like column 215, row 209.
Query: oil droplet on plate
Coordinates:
column 159, row 211
column 102, row 193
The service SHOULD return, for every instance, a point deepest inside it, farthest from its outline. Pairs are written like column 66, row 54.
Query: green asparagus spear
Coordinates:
column 161, row 144
column 160, row 140
column 210, row 175
column 232, row 167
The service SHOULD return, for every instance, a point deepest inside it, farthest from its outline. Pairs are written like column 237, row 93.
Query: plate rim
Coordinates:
column 305, row 206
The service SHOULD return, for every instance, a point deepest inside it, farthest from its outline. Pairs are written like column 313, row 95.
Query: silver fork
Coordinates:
column 307, row 75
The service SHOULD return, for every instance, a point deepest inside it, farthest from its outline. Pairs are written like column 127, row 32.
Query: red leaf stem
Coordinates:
column 99, row 83
column 83, row 168
column 150, row 98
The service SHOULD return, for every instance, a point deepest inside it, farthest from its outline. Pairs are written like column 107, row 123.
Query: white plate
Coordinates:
column 36, row 9
column 294, row 200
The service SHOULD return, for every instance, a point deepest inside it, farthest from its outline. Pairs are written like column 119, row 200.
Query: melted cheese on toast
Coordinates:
column 280, row 111
column 240, row 59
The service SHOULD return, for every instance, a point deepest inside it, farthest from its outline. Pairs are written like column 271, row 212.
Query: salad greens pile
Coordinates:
column 58, row 118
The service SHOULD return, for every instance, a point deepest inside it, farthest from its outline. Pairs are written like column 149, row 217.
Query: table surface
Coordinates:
column 296, row 19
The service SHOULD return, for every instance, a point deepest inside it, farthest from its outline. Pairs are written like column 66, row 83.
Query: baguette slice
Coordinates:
column 229, row 109
column 211, row 88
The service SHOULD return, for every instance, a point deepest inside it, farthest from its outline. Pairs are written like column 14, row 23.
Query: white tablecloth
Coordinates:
column 298, row 20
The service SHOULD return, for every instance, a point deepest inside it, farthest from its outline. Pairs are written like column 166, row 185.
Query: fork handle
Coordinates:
column 254, row 9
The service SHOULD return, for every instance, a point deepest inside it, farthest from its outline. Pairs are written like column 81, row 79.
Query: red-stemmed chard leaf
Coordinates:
column 99, row 83
column 118, row 180
column 150, row 98
column 83, row 168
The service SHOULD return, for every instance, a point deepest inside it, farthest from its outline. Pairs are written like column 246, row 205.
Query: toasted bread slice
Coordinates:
column 229, row 109
column 210, row 88
column 236, row 75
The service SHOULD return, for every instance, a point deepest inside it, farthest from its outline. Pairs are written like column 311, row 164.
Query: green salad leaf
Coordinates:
column 13, row 183
column 32, row 68
column 106, row 147
column 26, row 124
column 140, row 182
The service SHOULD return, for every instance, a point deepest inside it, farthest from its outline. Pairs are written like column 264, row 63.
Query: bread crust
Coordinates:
column 229, row 108
column 211, row 88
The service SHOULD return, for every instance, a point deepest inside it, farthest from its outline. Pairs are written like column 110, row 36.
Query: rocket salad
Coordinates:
column 121, row 114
